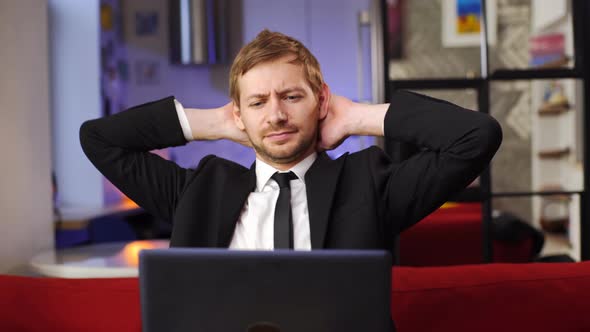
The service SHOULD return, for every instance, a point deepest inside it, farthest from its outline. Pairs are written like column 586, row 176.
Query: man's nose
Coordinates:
column 277, row 112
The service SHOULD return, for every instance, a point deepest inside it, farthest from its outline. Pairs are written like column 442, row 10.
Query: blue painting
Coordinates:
column 469, row 14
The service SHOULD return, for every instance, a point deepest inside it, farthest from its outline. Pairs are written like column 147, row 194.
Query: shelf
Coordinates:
column 558, row 198
column 534, row 74
column 560, row 63
column 498, row 75
column 437, row 84
column 555, row 225
column 534, row 193
column 554, row 153
column 553, row 109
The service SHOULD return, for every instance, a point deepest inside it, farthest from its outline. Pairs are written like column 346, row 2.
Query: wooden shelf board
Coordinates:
column 553, row 109
column 554, row 153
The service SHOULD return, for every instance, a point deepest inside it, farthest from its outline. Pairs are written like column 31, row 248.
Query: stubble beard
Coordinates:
column 297, row 153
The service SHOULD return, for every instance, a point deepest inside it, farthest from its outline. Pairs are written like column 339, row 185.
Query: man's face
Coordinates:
column 279, row 112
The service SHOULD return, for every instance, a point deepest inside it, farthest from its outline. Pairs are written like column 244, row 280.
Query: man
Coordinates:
column 284, row 110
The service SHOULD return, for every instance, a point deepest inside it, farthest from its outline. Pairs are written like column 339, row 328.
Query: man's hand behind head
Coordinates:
column 336, row 125
column 230, row 129
column 346, row 118
column 215, row 123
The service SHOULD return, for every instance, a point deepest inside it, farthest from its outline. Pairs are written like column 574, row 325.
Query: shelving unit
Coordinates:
column 553, row 162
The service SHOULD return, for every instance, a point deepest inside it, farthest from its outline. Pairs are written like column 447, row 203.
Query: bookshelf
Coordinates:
column 559, row 177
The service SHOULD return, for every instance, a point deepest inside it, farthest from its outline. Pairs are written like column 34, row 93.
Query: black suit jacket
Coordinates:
column 358, row 201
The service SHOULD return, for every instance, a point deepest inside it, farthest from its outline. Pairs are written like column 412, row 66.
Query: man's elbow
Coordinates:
column 86, row 133
column 495, row 134
column 491, row 137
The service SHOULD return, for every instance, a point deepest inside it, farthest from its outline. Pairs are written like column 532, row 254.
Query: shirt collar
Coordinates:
column 264, row 171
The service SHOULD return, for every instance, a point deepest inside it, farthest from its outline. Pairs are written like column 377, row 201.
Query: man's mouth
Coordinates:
column 282, row 135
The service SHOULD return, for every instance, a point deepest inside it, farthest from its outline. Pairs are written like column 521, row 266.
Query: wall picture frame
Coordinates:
column 146, row 23
column 462, row 22
column 395, row 13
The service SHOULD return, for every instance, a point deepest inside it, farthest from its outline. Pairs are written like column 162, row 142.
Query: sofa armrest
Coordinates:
column 64, row 305
column 493, row 297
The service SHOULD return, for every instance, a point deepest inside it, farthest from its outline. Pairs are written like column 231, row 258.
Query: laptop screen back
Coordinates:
column 289, row 291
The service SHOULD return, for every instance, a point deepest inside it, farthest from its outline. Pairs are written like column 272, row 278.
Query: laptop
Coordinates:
column 190, row 289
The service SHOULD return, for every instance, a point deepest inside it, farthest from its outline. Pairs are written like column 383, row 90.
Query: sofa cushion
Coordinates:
column 494, row 297
column 64, row 305
column 452, row 235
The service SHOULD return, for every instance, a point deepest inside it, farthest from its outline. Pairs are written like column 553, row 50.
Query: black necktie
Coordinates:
column 283, row 219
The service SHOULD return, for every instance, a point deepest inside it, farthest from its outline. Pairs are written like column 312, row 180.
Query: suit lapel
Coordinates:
column 320, row 182
column 235, row 192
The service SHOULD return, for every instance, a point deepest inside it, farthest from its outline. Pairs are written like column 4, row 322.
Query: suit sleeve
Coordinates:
column 119, row 146
column 456, row 146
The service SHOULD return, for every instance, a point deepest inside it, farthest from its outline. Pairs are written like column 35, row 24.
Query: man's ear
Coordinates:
column 324, row 101
column 238, row 117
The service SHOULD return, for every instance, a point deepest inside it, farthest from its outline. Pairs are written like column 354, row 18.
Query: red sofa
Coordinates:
column 452, row 235
column 496, row 297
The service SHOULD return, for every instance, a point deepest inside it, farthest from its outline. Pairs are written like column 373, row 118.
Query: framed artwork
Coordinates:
column 394, row 28
column 146, row 23
column 462, row 22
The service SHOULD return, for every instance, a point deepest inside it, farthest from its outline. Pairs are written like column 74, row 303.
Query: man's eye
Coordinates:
column 293, row 98
column 256, row 104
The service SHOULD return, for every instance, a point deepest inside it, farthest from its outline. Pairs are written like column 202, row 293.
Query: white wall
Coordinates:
column 75, row 90
column 25, row 169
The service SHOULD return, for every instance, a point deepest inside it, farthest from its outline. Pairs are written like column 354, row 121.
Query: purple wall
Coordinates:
column 328, row 27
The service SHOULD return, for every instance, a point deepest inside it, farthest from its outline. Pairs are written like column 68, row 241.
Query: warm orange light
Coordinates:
column 449, row 205
column 131, row 251
column 128, row 203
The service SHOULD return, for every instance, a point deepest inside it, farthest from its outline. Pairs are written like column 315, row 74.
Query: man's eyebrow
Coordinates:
column 281, row 92
column 291, row 89
column 257, row 95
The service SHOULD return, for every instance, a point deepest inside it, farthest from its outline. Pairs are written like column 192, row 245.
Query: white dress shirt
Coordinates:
column 255, row 226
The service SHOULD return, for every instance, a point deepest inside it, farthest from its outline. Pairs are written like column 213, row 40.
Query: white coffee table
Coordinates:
column 105, row 260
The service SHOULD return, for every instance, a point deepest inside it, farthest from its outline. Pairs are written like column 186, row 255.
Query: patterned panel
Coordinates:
column 510, row 105
column 511, row 49
column 425, row 57
column 511, row 167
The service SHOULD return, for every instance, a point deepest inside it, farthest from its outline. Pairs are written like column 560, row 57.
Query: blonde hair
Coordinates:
column 269, row 46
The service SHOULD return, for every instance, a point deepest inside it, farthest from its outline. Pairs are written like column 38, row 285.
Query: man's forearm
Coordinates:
column 441, row 126
column 368, row 119
column 345, row 118
column 205, row 124
column 119, row 146
column 213, row 124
